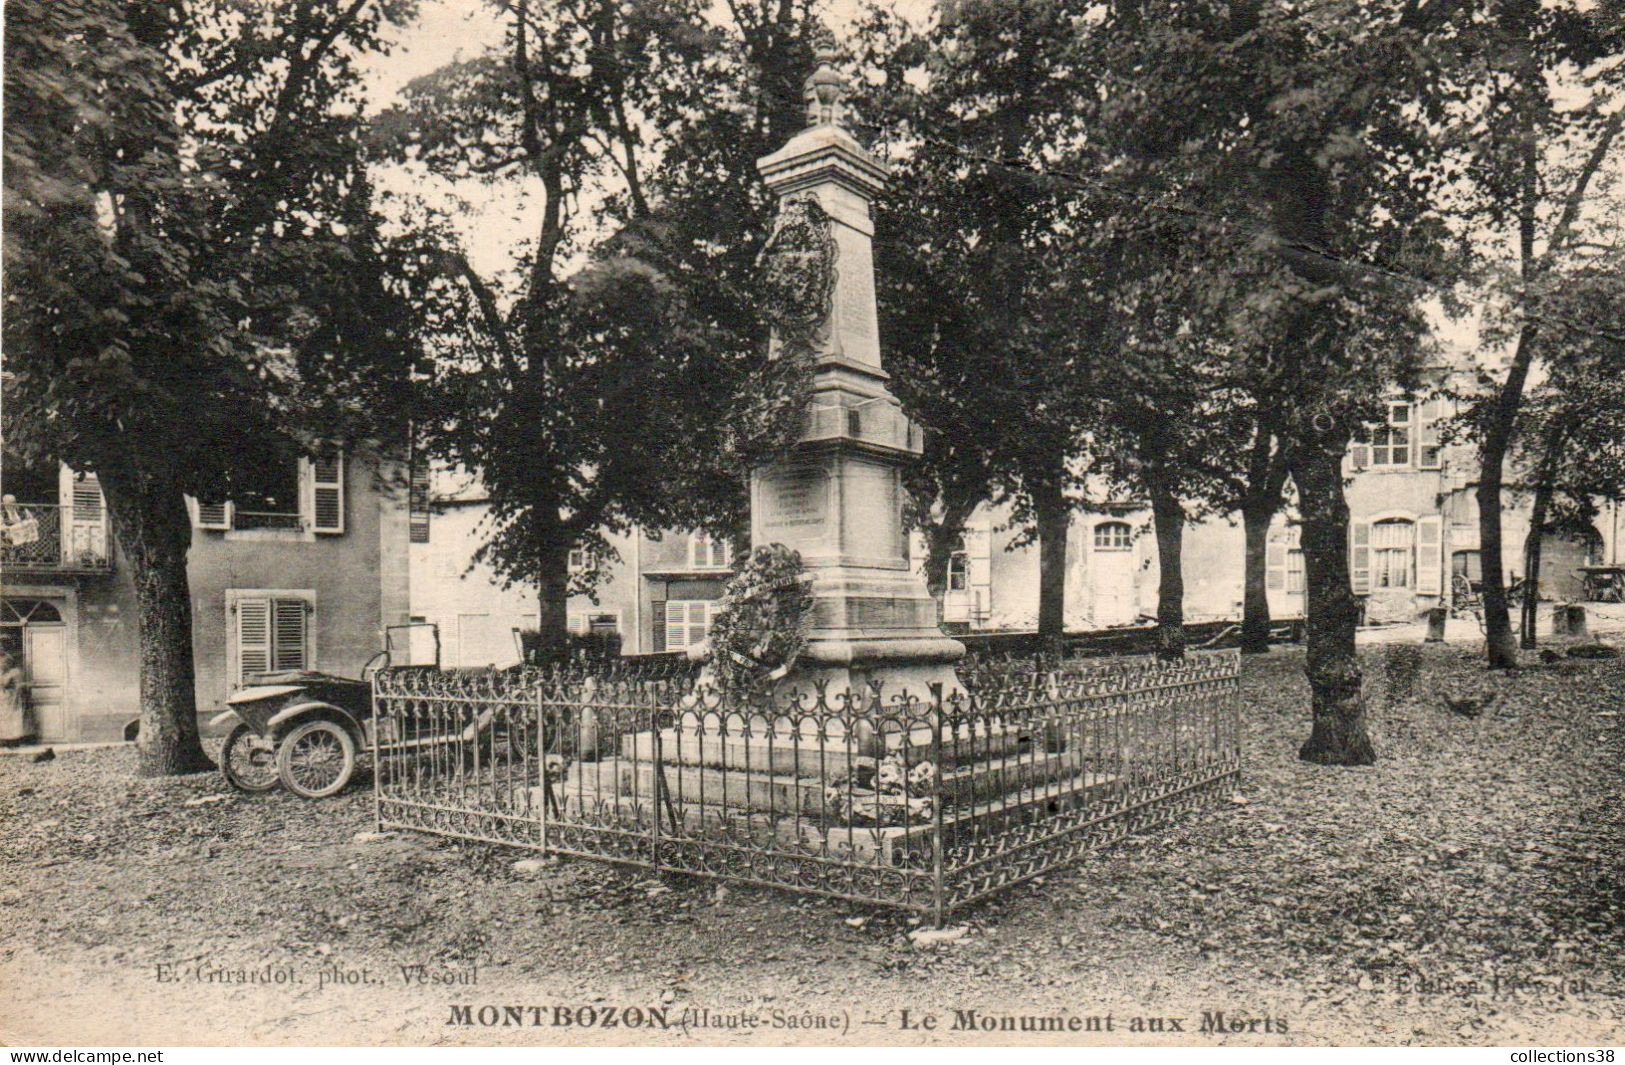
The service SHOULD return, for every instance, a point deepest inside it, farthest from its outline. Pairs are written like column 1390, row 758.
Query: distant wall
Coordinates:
column 475, row 613
column 1213, row 557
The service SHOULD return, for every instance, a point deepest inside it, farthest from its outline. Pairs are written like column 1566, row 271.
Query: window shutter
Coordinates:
column 657, row 615
column 1360, row 558
column 699, row 622
column 1275, row 566
column 676, row 626
column 253, row 638
column 87, row 499
column 418, row 502
column 1429, row 561
column 327, row 492
column 1360, row 455
column 288, row 634
column 211, row 515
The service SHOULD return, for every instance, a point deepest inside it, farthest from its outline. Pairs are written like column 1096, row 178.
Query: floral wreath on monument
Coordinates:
column 796, row 286
column 797, row 267
column 761, row 626
column 755, row 639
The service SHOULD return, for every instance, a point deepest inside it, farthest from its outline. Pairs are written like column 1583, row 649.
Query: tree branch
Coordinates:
column 486, row 301
column 239, row 63
column 640, row 205
column 301, row 65
column 1576, row 197
column 546, row 160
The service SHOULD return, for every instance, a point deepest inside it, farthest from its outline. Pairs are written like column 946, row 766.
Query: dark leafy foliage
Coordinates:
column 194, row 281
column 622, row 377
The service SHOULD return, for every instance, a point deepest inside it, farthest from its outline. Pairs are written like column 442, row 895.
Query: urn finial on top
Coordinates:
column 825, row 90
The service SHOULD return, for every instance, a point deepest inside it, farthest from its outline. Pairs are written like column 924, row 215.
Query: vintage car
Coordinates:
column 306, row 730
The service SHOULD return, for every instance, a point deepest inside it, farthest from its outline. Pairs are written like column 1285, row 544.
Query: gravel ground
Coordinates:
column 1468, row 889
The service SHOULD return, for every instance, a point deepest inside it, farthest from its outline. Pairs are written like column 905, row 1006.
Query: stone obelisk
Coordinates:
column 838, row 498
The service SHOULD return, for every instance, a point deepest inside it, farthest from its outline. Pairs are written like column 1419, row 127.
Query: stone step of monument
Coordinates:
column 780, row 792
column 602, row 797
column 810, row 755
column 775, row 793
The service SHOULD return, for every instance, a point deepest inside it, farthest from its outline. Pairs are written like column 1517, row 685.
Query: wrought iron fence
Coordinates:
column 922, row 801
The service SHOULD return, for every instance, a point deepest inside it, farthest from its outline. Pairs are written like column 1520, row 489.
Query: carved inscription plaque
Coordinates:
column 796, row 502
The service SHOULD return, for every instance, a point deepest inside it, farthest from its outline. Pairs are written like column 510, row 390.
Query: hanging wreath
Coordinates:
column 762, row 623
column 796, row 285
column 798, row 273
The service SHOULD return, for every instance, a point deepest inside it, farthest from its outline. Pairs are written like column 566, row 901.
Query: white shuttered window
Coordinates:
column 1393, row 554
column 319, row 506
column 687, row 622
column 272, row 633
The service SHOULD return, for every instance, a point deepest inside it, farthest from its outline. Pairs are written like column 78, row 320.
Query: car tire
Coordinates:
column 248, row 761
column 316, row 759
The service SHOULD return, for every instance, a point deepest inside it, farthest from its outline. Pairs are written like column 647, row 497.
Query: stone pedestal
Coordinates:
column 838, row 499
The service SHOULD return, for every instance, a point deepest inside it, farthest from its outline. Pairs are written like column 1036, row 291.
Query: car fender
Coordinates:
column 289, row 714
column 224, row 717
column 256, row 692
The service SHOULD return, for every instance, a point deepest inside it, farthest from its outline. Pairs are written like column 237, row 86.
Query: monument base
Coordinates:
column 873, row 626
column 895, row 671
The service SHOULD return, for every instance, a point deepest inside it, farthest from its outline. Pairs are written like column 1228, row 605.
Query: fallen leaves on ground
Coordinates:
column 1467, row 888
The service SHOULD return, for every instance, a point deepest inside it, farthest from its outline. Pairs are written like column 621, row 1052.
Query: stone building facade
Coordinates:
column 305, row 576
column 659, row 595
column 1413, row 529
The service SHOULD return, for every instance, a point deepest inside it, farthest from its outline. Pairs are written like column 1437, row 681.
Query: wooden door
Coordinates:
column 1113, row 566
column 45, row 661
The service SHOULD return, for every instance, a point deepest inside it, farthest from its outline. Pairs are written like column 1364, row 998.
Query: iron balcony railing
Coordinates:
column 47, row 538
column 266, row 519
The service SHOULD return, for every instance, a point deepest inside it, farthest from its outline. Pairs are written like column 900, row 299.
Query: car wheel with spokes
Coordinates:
column 316, row 759
column 248, row 760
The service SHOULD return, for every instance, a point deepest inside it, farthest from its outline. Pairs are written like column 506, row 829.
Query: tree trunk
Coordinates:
column 940, row 544
column 1255, row 606
column 1338, row 736
column 1500, row 644
column 1266, row 478
column 1168, row 517
column 1054, row 519
column 154, row 533
column 553, row 602
column 1545, row 486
